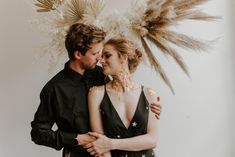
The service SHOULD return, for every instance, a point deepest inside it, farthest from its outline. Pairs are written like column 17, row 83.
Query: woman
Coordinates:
column 120, row 109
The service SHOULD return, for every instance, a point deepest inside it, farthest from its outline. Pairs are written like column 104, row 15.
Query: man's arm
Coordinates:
column 44, row 119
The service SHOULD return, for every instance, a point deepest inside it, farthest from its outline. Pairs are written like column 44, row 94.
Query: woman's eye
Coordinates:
column 107, row 56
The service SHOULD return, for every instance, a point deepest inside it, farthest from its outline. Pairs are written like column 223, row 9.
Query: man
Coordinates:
column 63, row 100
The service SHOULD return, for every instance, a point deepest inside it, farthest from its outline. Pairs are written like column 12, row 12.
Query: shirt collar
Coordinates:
column 75, row 76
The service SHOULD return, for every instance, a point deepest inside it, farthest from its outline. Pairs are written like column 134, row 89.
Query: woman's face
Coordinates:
column 111, row 62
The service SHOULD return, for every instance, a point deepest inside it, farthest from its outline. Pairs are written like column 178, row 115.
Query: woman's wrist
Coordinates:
column 113, row 143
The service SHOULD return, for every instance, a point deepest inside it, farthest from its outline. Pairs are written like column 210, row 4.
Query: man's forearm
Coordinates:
column 54, row 139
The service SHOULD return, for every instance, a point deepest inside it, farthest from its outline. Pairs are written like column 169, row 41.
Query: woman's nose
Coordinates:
column 99, row 57
column 102, row 60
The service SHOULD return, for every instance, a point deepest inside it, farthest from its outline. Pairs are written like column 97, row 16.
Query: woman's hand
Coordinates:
column 84, row 139
column 101, row 145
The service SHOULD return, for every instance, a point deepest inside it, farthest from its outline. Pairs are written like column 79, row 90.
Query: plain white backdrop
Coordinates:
column 197, row 121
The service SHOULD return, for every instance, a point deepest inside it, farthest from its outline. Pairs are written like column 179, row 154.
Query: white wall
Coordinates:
column 197, row 121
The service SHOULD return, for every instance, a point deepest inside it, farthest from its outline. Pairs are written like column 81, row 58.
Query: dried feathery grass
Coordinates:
column 149, row 22
column 155, row 63
column 159, row 15
column 182, row 40
column 194, row 15
column 198, row 15
column 93, row 9
column 44, row 5
column 187, row 4
column 154, row 8
column 74, row 10
column 167, row 50
column 47, row 5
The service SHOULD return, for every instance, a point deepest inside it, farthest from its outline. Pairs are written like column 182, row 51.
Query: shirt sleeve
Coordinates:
column 44, row 119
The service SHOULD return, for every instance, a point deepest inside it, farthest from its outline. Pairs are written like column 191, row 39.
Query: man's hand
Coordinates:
column 101, row 145
column 84, row 139
column 156, row 108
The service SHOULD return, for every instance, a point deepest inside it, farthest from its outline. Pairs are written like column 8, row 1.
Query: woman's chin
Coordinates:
column 106, row 73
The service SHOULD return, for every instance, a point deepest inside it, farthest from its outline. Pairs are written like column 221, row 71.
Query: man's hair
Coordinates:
column 80, row 37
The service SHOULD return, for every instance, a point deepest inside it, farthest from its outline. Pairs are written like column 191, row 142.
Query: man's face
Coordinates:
column 92, row 56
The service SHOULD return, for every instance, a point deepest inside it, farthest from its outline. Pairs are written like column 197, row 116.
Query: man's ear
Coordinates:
column 77, row 55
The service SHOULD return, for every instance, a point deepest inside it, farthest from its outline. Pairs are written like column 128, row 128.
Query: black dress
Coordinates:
column 114, row 127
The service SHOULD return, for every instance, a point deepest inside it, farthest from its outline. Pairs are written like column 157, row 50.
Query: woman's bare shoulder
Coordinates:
column 96, row 91
column 150, row 94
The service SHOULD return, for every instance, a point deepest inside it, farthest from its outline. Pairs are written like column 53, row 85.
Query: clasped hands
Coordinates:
column 96, row 144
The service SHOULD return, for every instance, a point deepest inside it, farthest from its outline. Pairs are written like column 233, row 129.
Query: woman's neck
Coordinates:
column 122, row 82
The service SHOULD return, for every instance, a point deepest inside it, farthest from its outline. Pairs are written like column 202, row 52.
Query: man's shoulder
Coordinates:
column 54, row 81
column 98, row 69
column 96, row 72
column 97, row 75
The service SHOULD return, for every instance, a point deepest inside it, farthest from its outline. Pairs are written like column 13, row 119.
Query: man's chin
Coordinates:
column 91, row 67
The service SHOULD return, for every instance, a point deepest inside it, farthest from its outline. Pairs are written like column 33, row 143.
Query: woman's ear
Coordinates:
column 77, row 55
column 124, row 57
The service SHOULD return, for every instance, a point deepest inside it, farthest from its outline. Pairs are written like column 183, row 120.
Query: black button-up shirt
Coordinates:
column 63, row 100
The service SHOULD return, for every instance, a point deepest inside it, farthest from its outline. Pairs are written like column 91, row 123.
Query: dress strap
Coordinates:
column 105, row 90
column 142, row 88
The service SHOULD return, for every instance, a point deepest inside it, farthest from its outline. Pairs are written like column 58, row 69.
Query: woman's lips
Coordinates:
column 104, row 66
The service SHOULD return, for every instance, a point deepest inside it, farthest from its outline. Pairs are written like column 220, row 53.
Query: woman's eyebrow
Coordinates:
column 105, row 52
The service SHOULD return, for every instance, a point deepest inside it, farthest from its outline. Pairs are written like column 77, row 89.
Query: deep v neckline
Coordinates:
column 117, row 114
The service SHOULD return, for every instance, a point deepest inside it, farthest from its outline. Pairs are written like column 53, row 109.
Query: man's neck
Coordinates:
column 76, row 66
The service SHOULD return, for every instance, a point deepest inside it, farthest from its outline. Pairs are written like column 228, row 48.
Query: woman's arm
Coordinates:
column 95, row 97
